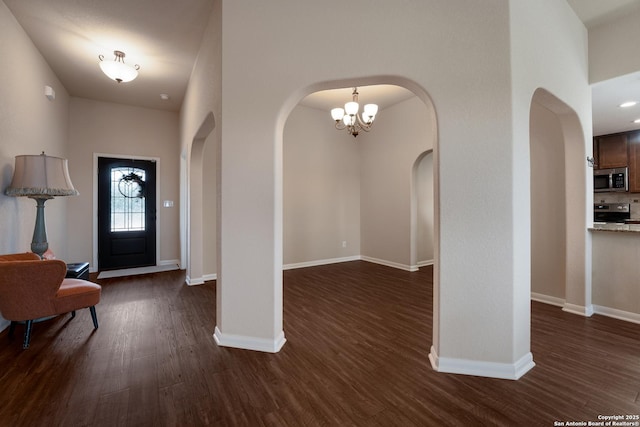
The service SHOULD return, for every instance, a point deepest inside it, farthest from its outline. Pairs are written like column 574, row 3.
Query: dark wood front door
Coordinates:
column 126, row 213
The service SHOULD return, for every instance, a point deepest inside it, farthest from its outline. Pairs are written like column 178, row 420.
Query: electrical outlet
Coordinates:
column 344, row 243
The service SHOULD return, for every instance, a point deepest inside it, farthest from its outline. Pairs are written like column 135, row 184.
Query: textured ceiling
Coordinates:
column 163, row 37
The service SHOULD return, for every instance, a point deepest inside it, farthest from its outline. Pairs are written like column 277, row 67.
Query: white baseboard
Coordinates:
column 548, row 299
column 627, row 316
column 390, row 263
column 318, row 262
column 586, row 311
column 249, row 343
column 425, row 263
column 210, row 277
column 193, row 281
column 617, row 314
column 506, row 371
column 581, row 310
column 170, row 262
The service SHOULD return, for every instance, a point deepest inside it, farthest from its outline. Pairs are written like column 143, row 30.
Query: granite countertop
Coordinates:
column 619, row 227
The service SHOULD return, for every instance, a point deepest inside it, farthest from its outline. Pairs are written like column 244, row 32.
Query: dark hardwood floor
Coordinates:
column 358, row 340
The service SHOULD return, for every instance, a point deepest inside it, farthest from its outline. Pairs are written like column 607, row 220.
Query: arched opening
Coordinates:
column 355, row 198
column 560, row 249
column 386, row 176
column 199, row 204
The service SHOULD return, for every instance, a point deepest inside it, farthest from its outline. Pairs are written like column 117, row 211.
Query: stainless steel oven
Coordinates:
column 611, row 212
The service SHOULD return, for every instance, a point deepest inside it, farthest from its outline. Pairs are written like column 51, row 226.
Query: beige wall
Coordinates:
column 323, row 182
column 209, row 205
column 29, row 124
column 120, row 130
column 615, row 274
column 321, row 189
column 199, row 117
column 548, row 213
column 402, row 134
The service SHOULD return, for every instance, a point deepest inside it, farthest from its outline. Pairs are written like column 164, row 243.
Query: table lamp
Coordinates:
column 40, row 177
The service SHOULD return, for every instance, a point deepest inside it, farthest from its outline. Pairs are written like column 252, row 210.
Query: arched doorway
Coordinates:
column 560, row 248
column 196, row 203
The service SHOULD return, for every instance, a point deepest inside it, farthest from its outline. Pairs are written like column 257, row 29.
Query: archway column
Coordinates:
column 481, row 278
column 249, row 289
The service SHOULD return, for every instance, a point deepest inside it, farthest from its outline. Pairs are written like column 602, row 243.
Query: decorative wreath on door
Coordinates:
column 131, row 186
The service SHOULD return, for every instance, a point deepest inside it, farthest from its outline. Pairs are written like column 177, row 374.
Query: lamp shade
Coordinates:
column 40, row 175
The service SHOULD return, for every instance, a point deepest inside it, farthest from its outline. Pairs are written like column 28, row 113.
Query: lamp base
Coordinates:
column 39, row 244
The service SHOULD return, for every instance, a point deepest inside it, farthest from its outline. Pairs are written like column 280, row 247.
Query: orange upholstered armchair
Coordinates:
column 32, row 289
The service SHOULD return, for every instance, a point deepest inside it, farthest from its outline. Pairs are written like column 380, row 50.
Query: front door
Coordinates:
column 126, row 213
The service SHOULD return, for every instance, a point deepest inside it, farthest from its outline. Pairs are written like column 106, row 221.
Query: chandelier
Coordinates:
column 117, row 70
column 348, row 118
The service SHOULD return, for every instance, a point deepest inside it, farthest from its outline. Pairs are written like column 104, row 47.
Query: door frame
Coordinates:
column 94, row 257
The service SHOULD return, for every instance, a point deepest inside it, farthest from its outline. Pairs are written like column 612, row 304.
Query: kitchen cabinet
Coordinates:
column 633, row 144
column 611, row 151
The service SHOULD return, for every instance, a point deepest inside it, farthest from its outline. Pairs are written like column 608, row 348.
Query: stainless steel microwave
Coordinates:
column 606, row 180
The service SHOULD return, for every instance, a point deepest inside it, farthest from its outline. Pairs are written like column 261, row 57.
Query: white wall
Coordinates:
column 562, row 42
column 468, row 80
column 116, row 129
column 548, row 213
column 29, row 124
column 613, row 48
column 480, row 81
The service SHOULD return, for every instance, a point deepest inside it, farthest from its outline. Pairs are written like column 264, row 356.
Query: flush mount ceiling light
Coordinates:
column 347, row 117
column 117, row 70
column 627, row 104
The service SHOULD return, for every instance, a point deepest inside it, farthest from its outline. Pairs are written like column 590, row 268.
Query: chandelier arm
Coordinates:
column 340, row 125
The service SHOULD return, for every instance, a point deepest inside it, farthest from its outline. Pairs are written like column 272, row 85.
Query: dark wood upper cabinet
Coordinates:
column 633, row 143
column 611, row 151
